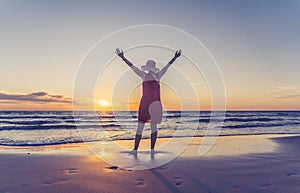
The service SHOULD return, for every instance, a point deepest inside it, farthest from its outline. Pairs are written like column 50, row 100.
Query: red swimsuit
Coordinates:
column 151, row 93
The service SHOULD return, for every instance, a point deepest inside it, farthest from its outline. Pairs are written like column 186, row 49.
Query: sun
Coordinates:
column 103, row 103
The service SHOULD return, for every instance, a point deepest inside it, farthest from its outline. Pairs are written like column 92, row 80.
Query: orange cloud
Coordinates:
column 40, row 100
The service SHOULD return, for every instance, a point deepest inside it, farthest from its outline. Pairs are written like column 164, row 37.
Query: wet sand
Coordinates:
column 257, row 163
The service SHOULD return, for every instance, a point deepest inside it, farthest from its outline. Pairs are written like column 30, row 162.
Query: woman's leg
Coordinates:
column 138, row 135
column 155, row 111
column 153, row 135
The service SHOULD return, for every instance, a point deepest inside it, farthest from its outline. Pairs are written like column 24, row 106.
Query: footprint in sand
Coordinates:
column 112, row 168
column 265, row 185
column 268, row 187
column 125, row 169
column 57, row 181
column 115, row 168
column 70, row 170
column 140, row 182
column 163, row 167
column 292, row 174
column 177, row 181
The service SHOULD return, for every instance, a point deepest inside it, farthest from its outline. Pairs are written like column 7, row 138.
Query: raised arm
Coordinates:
column 139, row 72
column 164, row 69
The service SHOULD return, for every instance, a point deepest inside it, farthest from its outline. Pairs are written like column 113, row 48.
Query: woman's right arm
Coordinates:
column 120, row 53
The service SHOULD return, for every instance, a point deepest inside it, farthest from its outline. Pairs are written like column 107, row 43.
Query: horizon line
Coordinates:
column 53, row 110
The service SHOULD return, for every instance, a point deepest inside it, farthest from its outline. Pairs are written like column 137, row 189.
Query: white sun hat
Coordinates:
column 150, row 66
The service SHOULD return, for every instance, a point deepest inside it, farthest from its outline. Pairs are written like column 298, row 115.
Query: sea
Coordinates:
column 38, row 128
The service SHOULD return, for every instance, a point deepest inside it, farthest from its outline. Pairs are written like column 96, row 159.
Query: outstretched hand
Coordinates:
column 177, row 53
column 119, row 52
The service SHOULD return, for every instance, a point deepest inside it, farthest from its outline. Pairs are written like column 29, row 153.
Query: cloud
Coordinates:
column 41, row 97
column 285, row 89
column 286, row 92
column 38, row 94
column 287, row 96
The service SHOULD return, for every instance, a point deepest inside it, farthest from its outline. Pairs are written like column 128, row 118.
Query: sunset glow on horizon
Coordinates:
column 255, row 45
column 103, row 103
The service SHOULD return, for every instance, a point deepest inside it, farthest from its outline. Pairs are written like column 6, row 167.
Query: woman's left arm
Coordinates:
column 164, row 69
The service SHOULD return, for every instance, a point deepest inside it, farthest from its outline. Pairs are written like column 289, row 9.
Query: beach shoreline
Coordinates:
column 258, row 163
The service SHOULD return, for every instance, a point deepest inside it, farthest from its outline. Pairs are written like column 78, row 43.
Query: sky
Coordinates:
column 256, row 45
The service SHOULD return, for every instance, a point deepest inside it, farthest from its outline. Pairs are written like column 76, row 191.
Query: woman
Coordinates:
column 150, row 109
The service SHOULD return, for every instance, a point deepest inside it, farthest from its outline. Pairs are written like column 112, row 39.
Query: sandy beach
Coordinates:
column 254, row 163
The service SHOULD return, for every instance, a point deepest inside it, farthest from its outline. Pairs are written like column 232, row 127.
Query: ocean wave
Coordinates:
column 39, row 122
column 259, row 125
column 49, row 127
column 263, row 119
column 126, row 137
column 31, row 143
